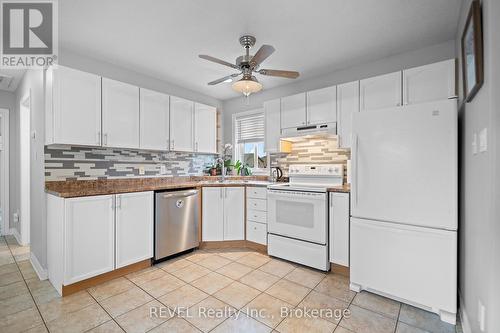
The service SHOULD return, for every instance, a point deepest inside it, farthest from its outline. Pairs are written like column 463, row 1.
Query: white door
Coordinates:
column 413, row 264
column 181, row 124
column 429, row 83
column 273, row 125
column 120, row 114
column 212, row 224
column 76, row 106
column 155, row 117
column 89, row 237
column 404, row 165
column 293, row 111
column 321, row 106
column 234, row 213
column 205, row 132
column 339, row 228
column 380, row 92
column 300, row 215
column 134, row 228
column 347, row 104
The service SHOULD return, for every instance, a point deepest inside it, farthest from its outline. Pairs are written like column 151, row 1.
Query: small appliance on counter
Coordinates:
column 298, row 214
column 176, row 222
column 276, row 174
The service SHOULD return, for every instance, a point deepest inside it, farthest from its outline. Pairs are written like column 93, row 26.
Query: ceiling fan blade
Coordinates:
column 280, row 73
column 222, row 79
column 261, row 55
column 219, row 61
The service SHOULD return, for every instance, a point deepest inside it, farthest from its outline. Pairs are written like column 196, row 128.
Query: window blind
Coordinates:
column 250, row 128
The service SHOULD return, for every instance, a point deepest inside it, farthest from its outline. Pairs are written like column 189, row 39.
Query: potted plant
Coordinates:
column 242, row 169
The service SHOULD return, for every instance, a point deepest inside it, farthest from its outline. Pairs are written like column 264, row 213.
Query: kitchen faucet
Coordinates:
column 220, row 161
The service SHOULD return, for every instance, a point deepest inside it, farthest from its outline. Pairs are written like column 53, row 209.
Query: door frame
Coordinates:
column 4, row 168
column 25, row 172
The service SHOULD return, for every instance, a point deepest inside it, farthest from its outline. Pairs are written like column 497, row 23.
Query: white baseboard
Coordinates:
column 464, row 319
column 42, row 273
column 17, row 236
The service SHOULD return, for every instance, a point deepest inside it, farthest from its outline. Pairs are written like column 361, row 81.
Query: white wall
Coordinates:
column 393, row 63
column 7, row 101
column 479, row 226
column 33, row 81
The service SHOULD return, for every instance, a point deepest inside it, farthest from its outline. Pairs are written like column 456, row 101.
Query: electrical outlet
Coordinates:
column 16, row 217
column 481, row 315
column 474, row 143
column 163, row 169
column 142, row 171
column 483, row 140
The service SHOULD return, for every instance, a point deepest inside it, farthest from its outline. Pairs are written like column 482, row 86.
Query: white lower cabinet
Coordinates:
column 89, row 236
column 257, row 215
column 134, row 228
column 223, row 213
column 339, row 228
column 89, row 232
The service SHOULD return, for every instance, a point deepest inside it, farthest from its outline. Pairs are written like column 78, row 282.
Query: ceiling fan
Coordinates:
column 247, row 65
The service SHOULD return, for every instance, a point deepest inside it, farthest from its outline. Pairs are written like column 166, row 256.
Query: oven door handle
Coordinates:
column 296, row 194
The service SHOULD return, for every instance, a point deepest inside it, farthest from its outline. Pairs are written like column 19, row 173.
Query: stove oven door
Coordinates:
column 298, row 214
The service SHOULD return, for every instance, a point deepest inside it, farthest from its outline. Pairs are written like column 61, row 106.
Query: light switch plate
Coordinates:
column 163, row 169
column 474, row 143
column 142, row 171
column 483, row 140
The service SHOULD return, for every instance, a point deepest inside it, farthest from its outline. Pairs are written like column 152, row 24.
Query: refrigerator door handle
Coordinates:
column 354, row 179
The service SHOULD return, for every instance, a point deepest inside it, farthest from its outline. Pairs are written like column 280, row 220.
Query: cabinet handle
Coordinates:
column 225, row 192
column 220, row 192
column 119, row 206
column 173, row 144
column 168, row 144
column 196, row 146
column 105, row 139
column 99, row 138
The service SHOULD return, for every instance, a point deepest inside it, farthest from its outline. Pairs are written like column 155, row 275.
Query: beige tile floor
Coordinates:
column 245, row 290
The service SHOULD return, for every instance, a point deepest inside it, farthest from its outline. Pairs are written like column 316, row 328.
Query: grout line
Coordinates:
column 102, row 307
column 26, row 284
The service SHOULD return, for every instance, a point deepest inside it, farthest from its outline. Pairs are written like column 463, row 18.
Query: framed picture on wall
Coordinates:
column 472, row 52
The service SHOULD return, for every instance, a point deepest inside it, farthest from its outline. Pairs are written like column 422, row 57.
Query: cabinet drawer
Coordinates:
column 257, row 192
column 256, row 215
column 257, row 232
column 257, row 204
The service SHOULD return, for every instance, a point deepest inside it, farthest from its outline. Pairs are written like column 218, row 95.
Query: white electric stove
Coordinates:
column 298, row 214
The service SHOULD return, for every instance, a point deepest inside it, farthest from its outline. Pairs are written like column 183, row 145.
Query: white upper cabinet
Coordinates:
column 429, row 83
column 73, row 107
column 293, row 111
column 89, row 234
column 321, row 106
column 155, row 117
column 380, row 92
column 134, row 228
column 272, row 124
column 181, row 124
column 347, row 104
column 120, row 114
column 205, row 124
column 234, row 213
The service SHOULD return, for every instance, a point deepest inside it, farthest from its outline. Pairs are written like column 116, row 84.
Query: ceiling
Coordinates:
column 163, row 38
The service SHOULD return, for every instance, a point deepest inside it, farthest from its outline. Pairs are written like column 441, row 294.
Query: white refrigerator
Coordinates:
column 404, row 205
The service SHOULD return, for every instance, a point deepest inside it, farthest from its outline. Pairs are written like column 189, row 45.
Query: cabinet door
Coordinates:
column 205, row 132
column 212, row 224
column 293, row 111
column 380, row 92
column 76, row 103
column 429, row 83
column 339, row 228
column 347, row 104
column 272, row 124
column 154, row 113
column 134, row 228
column 120, row 114
column 234, row 213
column 89, row 237
column 181, row 124
column 322, row 106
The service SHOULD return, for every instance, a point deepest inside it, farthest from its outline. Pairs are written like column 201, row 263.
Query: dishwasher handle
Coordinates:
column 180, row 194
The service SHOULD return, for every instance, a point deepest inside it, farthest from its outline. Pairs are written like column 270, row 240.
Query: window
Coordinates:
column 249, row 140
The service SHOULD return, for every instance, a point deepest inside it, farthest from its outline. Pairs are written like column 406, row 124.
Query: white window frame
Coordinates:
column 255, row 171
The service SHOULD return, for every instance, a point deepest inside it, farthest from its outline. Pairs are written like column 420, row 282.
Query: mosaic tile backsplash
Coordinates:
column 80, row 163
column 312, row 151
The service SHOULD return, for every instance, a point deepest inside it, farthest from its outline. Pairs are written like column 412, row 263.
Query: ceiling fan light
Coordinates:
column 247, row 85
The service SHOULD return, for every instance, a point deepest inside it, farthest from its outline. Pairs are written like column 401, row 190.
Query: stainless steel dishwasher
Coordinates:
column 176, row 222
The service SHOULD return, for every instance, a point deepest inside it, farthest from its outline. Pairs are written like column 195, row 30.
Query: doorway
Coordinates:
column 25, row 141
column 4, row 172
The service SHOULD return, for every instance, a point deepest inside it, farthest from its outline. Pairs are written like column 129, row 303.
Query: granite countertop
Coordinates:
column 82, row 188
column 346, row 188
